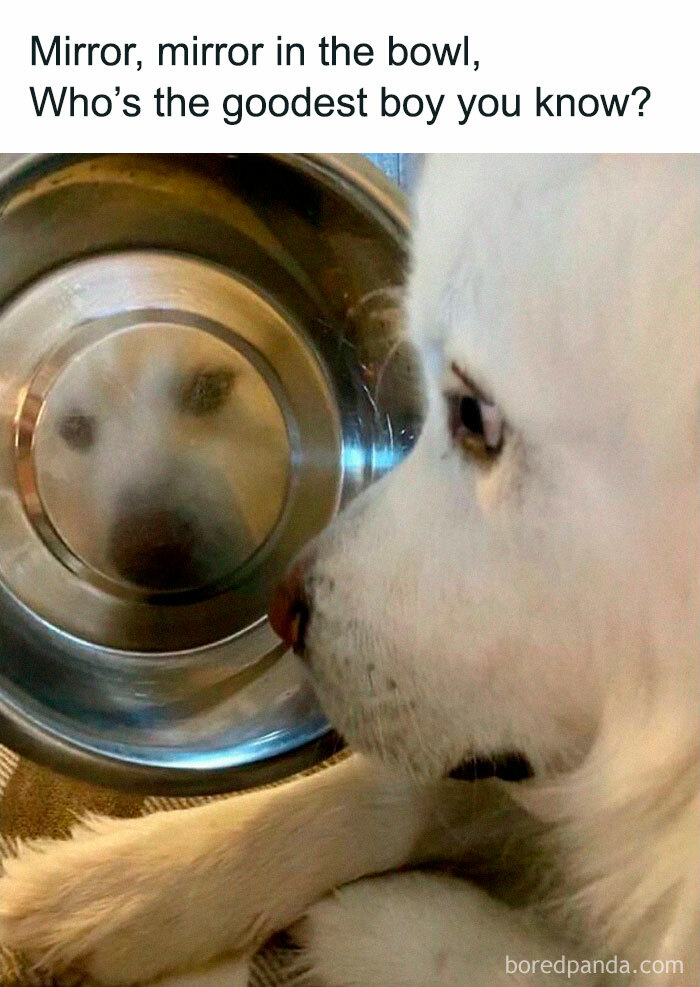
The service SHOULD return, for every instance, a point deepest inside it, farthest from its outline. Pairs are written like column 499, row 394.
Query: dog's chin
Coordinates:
column 360, row 731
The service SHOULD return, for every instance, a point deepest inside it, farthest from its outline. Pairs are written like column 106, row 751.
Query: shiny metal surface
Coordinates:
column 198, row 366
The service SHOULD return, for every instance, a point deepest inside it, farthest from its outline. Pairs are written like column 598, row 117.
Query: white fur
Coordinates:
column 439, row 927
column 546, row 603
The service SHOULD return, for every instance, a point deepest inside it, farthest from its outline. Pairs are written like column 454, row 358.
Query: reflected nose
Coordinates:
column 290, row 609
column 153, row 544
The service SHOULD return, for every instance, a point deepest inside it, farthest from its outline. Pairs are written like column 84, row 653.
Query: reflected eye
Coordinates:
column 78, row 430
column 205, row 391
column 476, row 424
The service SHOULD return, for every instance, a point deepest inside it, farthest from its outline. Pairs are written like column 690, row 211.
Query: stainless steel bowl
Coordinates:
column 198, row 365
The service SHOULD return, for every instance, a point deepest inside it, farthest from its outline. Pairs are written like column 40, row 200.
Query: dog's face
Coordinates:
column 540, row 538
column 164, row 456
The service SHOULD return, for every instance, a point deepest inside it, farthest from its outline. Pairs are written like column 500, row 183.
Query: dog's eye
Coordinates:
column 205, row 391
column 476, row 424
column 78, row 430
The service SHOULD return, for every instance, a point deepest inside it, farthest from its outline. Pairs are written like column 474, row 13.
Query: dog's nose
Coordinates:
column 290, row 608
column 154, row 546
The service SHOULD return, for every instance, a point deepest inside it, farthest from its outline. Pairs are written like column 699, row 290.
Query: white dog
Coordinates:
column 524, row 584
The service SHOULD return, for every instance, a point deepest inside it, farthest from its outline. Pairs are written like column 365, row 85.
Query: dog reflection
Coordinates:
column 162, row 460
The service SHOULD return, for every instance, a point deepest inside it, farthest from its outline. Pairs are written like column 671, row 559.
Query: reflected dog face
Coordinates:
column 535, row 552
column 162, row 460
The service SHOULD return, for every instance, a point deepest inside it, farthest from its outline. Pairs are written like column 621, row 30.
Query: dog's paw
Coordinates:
column 375, row 932
column 416, row 929
column 81, row 904
column 122, row 901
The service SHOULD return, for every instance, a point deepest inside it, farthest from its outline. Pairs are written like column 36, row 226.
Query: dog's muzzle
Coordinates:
column 153, row 543
column 289, row 615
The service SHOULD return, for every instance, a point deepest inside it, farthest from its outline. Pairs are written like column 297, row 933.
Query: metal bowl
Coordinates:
column 198, row 366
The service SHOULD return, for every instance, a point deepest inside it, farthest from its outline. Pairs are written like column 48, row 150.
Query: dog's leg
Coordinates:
column 222, row 973
column 417, row 929
column 129, row 900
